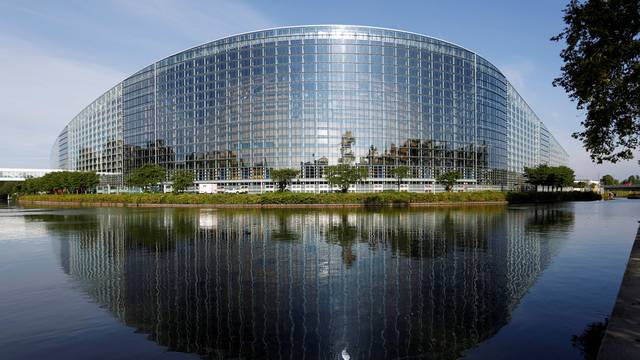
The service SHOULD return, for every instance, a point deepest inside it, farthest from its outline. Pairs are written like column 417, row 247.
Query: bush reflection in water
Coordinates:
column 278, row 283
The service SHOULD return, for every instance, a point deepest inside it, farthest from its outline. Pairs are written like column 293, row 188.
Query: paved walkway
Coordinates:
column 622, row 338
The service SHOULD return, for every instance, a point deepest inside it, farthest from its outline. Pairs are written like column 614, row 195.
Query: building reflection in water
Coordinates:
column 284, row 284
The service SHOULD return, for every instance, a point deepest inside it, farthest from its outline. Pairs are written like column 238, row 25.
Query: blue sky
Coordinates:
column 57, row 56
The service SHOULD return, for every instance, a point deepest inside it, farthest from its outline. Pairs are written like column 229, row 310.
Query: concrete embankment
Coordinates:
column 622, row 337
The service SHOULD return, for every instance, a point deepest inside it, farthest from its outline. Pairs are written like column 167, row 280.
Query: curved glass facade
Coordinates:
column 306, row 97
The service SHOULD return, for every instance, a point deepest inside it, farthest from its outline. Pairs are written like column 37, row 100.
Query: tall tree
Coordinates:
column 87, row 181
column 449, row 179
column 633, row 180
column 146, row 176
column 283, row 177
column 60, row 182
column 551, row 176
column 181, row 180
column 608, row 180
column 400, row 172
column 562, row 176
column 344, row 175
column 601, row 72
column 537, row 176
column 8, row 187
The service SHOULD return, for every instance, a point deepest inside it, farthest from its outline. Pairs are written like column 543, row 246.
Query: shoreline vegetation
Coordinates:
column 289, row 199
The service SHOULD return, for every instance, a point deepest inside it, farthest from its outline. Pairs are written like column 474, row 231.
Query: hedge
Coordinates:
column 386, row 198
column 367, row 199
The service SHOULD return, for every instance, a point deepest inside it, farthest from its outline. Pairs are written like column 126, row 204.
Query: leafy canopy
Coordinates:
column 633, row 180
column 283, row 177
column 8, row 187
column 181, row 180
column 553, row 176
column 61, row 182
column 146, row 176
column 448, row 179
column 344, row 175
column 601, row 72
column 609, row 180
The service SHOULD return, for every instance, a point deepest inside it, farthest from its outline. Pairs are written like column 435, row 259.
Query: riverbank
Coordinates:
column 622, row 337
column 302, row 200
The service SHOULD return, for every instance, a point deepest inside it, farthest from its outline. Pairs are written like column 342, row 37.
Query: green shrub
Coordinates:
column 367, row 199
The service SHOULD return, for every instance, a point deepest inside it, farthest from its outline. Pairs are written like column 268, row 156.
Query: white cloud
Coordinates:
column 518, row 74
column 40, row 93
column 47, row 81
column 212, row 19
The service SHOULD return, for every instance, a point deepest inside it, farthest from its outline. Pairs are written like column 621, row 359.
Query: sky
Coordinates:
column 58, row 56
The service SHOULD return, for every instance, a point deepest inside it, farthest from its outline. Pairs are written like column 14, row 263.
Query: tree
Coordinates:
column 283, row 177
column 181, row 180
column 79, row 182
column 551, row 176
column 608, row 180
column 632, row 180
column 601, row 72
column 344, row 175
column 146, row 176
column 448, row 179
column 89, row 181
column 60, row 182
column 562, row 176
column 537, row 176
column 8, row 188
column 30, row 185
column 400, row 172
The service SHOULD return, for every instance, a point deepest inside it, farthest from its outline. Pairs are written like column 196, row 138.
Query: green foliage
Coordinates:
column 608, row 180
column 601, row 72
column 8, row 188
column 362, row 199
column 400, row 172
column 537, row 176
column 283, row 177
column 562, row 176
column 632, row 180
column 60, row 182
column 344, row 175
column 146, row 176
column 552, row 176
column 448, row 179
column 181, row 180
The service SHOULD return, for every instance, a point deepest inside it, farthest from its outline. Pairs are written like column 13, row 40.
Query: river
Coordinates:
column 497, row 282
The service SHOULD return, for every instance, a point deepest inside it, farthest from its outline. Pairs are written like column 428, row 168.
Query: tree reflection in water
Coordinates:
column 590, row 340
column 271, row 283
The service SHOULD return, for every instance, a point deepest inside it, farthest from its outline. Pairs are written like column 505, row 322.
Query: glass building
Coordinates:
column 310, row 96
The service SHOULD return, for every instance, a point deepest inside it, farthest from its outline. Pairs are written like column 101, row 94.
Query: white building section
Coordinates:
column 9, row 174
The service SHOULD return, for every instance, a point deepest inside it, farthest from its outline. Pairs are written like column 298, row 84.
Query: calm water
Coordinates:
column 491, row 282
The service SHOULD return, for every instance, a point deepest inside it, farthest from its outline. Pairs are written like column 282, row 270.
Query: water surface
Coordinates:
column 480, row 282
